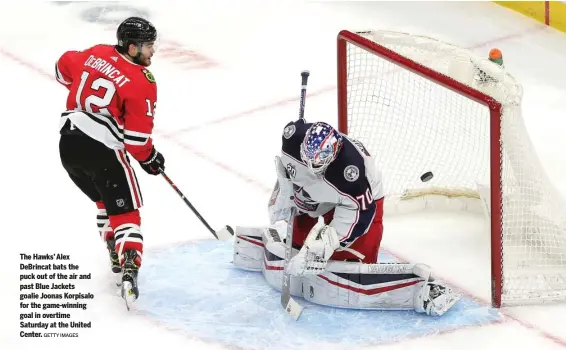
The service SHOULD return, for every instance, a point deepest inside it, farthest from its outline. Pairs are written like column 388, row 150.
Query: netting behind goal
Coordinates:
column 422, row 105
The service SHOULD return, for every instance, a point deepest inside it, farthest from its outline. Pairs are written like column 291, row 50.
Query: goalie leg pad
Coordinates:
column 248, row 248
column 274, row 265
column 262, row 249
column 355, row 285
column 273, row 273
column 249, row 243
column 274, row 260
column 352, row 285
column 349, row 285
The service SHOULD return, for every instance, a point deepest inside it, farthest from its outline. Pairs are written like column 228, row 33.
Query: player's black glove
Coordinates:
column 154, row 164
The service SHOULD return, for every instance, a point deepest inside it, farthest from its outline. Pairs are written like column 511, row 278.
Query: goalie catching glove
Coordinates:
column 313, row 257
column 280, row 202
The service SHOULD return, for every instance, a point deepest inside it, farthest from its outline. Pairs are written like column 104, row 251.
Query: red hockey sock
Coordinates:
column 128, row 234
column 103, row 223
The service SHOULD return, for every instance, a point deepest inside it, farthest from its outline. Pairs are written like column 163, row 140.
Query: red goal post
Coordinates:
column 419, row 105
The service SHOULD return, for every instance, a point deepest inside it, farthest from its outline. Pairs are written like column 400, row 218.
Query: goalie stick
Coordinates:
column 224, row 234
column 289, row 304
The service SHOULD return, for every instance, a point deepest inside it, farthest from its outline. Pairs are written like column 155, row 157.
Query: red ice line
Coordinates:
column 172, row 138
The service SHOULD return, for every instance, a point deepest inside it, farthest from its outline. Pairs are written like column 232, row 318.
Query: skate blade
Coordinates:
column 294, row 309
column 118, row 279
column 128, row 294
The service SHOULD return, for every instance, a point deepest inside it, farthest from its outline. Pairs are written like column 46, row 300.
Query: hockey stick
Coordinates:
column 304, row 78
column 289, row 304
column 224, row 234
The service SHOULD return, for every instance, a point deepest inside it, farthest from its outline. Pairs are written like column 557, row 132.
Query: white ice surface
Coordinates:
column 226, row 168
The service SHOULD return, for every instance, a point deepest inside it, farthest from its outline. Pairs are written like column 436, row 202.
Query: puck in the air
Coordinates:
column 426, row 176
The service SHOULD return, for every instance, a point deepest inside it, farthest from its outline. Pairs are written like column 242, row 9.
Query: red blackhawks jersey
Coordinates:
column 111, row 99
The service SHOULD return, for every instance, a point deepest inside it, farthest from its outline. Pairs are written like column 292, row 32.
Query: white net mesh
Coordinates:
column 413, row 125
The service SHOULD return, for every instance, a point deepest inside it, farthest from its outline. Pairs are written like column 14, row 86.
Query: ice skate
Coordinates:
column 114, row 261
column 435, row 299
column 130, row 269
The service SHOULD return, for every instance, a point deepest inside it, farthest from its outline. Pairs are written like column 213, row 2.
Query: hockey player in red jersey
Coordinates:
column 109, row 113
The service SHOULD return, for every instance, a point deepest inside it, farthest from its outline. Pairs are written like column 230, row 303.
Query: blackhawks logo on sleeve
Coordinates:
column 148, row 75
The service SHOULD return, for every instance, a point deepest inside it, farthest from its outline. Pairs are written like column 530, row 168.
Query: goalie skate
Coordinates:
column 435, row 299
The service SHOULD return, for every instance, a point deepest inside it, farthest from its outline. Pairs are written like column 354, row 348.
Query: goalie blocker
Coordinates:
column 354, row 285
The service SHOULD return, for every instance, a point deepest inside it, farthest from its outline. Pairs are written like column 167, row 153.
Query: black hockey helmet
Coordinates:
column 135, row 30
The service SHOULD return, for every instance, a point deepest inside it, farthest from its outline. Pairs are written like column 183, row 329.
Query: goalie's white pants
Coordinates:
column 350, row 285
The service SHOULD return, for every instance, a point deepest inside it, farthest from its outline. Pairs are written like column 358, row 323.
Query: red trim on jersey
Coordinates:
column 131, row 179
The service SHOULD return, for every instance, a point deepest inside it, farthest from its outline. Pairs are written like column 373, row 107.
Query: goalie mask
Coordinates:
column 320, row 146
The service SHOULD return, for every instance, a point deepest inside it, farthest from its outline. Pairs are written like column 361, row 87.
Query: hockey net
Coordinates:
column 422, row 105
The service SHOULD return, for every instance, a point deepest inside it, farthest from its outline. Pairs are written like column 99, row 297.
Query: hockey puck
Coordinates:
column 426, row 176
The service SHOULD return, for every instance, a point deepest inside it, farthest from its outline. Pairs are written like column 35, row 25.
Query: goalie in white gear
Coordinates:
column 332, row 181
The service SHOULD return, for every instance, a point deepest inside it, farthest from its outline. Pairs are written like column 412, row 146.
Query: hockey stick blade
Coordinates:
column 294, row 309
column 225, row 234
